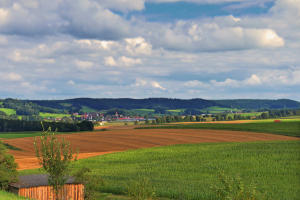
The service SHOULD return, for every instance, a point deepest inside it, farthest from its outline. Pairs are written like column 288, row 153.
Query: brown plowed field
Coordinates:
column 101, row 142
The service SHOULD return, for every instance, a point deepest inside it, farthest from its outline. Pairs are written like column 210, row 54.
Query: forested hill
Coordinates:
column 126, row 103
column 33, row 107
column 165, row 103
column 258, row 103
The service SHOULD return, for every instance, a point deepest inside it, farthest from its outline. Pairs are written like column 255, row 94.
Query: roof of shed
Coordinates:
column 36, row 180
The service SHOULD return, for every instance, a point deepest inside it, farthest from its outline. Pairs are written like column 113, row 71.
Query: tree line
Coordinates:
column 7, row 125
column 224, row 117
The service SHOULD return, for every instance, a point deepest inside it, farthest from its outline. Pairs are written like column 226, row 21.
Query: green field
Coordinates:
column 288, row 127
column 13, row 135
column 252, row 114
column 217, row 109
column 9, row 196
column 188, row 171
column 8, row 111
column 53, row 115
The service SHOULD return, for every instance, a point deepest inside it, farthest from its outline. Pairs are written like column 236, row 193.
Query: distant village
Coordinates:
column 98, row 117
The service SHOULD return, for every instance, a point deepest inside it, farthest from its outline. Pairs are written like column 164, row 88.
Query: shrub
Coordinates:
column 8, row 168
column 233, row 188
column 141, row 189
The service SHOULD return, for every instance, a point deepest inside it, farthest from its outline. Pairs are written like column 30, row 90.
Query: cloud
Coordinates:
column 136, row 46
column 148, row 83
column 12, row 77
column 122, row 61
column 123, row 5
column 213, row 36
column 157, row 85
column 83, row 65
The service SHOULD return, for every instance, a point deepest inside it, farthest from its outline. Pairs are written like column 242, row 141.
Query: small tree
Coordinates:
column 8, row 168
column 55, row 157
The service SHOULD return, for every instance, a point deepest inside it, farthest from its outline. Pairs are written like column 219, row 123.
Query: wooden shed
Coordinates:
column 36, row 187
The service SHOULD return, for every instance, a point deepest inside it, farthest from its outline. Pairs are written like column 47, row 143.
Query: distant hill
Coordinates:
column 126, row 103
column 24, row 107
column 259, row 103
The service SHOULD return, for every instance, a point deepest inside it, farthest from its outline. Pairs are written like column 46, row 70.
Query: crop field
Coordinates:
column 289, row 128
column 188, row 171
column 53, row 115
column 8, row 111
column 115, row 140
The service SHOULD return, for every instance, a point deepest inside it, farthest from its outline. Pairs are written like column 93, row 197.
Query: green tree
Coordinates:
column 8, row 168
column 55, row 157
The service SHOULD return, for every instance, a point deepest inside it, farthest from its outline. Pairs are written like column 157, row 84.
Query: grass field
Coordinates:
column 188, row 171
column 8, row 111
column 289, row 128
column 217, row 109
column 13, row 135
column 53, row 115
column 9, row 196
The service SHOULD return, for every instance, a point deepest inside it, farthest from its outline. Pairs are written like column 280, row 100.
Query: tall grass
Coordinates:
column 189, row 171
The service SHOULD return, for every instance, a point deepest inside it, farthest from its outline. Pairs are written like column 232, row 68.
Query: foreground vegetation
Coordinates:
column 289, row 127
column 9, row 196
column 188, row 171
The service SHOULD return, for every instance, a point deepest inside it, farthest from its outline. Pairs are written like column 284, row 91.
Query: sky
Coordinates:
column 211, row 49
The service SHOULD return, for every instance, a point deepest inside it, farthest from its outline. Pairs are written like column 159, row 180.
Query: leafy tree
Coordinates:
column 55, row 157
column 8, row 168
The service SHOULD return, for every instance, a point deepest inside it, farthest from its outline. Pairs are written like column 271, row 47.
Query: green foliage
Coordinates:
column 8, row 168
column 141, row 189
column 55, row 157
column 258, row 104
column 289, row 128
column 233, row 188
column 22, row 125
column 92, row 182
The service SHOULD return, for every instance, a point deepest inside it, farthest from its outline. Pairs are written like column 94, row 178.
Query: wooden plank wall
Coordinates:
column 69, row 192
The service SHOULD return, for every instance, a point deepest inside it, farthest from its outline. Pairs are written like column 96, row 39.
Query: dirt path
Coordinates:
column 101, row 142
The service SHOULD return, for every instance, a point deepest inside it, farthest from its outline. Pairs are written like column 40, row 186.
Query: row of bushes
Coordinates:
column 7, row 125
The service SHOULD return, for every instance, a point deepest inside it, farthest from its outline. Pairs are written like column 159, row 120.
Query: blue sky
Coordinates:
column 171, row 11
column 212, row 49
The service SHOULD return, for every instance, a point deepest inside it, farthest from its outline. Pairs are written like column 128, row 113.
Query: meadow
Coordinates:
column 288, row 127
column 9, row 196
column 53, row 115
column 189, row 171
column 8, row 111
column 24, row 134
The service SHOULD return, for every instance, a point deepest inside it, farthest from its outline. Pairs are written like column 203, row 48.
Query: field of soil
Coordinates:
column 116, row 140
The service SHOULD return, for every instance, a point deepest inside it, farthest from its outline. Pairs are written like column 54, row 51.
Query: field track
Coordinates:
column 101, row 142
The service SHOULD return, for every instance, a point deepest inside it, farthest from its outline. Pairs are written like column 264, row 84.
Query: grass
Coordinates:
column 9, row 196
column 188, row 171
column 53, row 115
column 8, row 111
column 289, row 128
column 13, row 135
column 176, row 110
column 217, row 109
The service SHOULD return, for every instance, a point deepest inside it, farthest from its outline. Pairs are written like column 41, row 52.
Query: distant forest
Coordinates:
column 33, row 107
